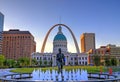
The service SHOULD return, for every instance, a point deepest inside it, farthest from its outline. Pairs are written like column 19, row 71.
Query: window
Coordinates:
column 37, row 58
column 75, row 58
column 79, row 58
column 83, row 63
column 79, row 62
column 86, row 58
column 82, row 58
column 71, row 58
column 44, row 58
column 48, row 58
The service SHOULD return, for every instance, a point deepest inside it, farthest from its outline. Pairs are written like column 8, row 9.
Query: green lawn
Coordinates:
column 92, row 69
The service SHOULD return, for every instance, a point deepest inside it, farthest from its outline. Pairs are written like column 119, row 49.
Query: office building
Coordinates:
column 18, row 44
column 111, row 51
column 1, row 30
column 87, row 41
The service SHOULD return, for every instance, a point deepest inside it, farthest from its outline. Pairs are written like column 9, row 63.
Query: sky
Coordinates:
column 101, row 17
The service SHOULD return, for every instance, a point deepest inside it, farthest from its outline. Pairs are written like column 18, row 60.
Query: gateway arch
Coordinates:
column 73, row 36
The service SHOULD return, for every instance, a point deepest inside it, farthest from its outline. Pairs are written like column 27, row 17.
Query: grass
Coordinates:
column 114, row 68
column 93, row 69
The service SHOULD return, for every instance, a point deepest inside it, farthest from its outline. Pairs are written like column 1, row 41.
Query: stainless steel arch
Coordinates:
column 73, row 36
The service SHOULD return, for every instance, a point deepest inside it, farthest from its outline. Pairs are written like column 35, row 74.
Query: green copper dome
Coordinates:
column 60, row 35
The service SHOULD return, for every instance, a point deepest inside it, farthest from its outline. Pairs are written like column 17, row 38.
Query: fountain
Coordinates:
column 72, row 75
column 66, row 76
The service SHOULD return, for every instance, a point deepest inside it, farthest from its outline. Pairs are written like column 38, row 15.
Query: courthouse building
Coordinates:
column 60, row 41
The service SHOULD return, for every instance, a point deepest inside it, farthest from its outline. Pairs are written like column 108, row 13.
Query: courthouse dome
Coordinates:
column 60, row 36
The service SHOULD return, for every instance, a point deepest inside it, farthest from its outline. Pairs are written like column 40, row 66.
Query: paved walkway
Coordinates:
column 5, row 72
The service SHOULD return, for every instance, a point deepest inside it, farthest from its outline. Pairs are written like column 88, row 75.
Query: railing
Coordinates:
column 19, row 77
column 101, row 76
column 15, row 77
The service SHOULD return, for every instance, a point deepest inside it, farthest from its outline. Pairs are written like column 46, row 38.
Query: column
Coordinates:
column 53, row 59
column 65, row 60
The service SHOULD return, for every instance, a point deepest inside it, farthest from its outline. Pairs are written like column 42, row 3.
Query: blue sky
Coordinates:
column 101, row 17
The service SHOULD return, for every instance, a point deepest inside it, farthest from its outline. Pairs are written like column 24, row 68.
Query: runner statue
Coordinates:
column 60, row 60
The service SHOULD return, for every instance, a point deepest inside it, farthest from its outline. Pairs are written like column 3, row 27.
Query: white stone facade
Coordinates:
column 59, row 44
column 70, row 58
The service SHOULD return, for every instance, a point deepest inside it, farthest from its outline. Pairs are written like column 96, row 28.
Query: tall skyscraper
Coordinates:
column 17, row 44
column 1, row 21
column 1, row 30
column 87, row 41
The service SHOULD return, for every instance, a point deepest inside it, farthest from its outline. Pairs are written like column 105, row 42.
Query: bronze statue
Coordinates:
column 60, row 60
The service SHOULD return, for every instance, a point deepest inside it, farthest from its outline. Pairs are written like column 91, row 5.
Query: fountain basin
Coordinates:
column 52, row 76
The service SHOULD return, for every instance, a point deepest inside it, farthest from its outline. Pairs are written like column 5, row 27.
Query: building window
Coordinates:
column 48, row 58
column 44, row 58
column 75, row 58
column 79, row 62
column 37, row 58
column 86, row 58
column 82, row 58
column 83, row 63
column 71, row 58
column 79, row 58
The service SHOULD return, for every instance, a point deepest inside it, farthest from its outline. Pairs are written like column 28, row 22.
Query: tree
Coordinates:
column 2, row 59
column 113, row 62
column 107, row 61
column 97, row 60
column 40, row 62
column 50, row 62
column 76, row 63
column 10, row 63
column 34, row 62
column 24, row 61
column 45, row 62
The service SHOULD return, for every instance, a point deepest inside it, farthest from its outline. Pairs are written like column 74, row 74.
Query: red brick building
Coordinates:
column 111, row 51
column 17, row 44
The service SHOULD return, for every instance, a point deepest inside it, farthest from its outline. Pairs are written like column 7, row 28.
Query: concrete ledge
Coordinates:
column 99, row 78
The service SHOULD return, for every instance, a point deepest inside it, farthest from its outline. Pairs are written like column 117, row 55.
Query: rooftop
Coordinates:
column 16, row 31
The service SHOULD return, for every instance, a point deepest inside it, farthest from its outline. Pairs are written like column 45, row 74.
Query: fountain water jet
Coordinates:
column 72, row 75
